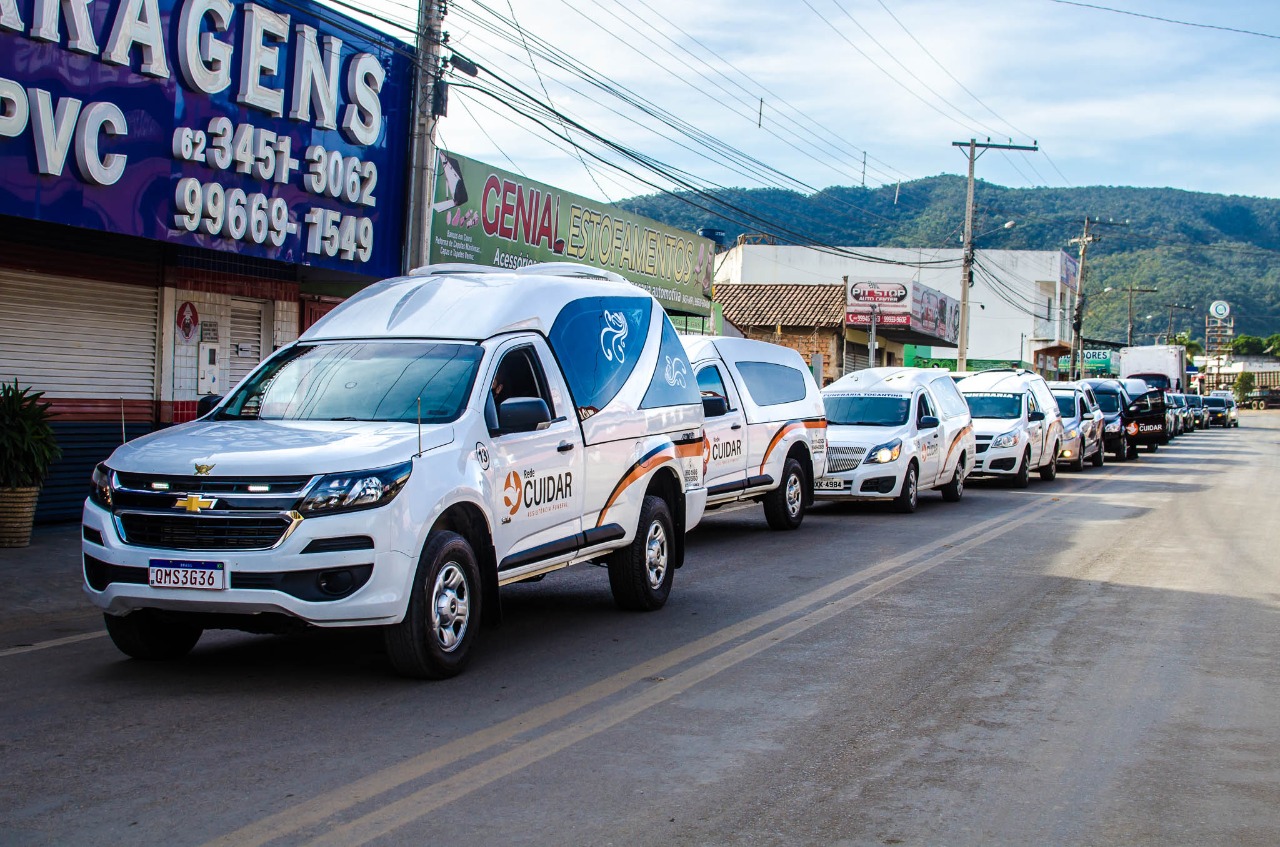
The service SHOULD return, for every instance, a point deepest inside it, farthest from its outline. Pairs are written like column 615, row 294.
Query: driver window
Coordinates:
column 1084, row 408
column 518, row 375
column 711, row 384
column 1032, row 405
column 924, row 408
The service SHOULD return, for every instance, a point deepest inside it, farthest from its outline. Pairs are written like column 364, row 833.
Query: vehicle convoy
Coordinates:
column 893, row 432
column 766, row 431
column 1082, row 424
column 1199, row 414
column 1162, row 366
column 1016, row 424
column 431, row 439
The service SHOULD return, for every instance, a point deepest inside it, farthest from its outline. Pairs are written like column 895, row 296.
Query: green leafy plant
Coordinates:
column 27, row 443
column 1245, row 383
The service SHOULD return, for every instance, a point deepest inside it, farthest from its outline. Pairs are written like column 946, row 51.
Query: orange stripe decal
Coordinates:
column 659, row 456
column 790, row 426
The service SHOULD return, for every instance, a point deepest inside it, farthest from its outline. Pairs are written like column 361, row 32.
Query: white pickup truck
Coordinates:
column 765, row 426
column 433, row 438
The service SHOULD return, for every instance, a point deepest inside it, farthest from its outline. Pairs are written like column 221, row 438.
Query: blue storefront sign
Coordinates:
column 276, row 129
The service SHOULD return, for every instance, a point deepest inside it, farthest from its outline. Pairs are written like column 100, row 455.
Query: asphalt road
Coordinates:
column 1088, row 661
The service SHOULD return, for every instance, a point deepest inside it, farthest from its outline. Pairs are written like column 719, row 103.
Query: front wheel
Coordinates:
column 954, row 490
column 640, row 574
column 784, row 505
column 1023, row 477
column 1049, row 471
column 1100, row 457
column 909, row 497
column 1152, row 447
column 145, row 634
column 1077, row 464
column 441, row 622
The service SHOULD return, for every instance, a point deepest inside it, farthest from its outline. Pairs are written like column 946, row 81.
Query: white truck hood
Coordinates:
column 266, row 448
column 995, row 426
column 846, row 435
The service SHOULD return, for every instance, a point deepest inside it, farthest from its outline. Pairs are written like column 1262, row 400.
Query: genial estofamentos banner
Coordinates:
column 486, row 216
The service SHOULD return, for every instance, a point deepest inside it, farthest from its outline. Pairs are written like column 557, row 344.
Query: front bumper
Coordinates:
column 865, row 482
column 999, row 461
column 1071, row 450
column 115, row 573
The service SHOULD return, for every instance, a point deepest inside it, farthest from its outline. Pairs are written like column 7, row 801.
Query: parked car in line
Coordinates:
column 766, row 431
column 1149, row 422
column 1217, row 408
column 1113, row 401
column 1195, row 407
column 434, row 437
column 893, row 432
column 1016, row 424
column 1233, row 412
column 1082, row 424
column 1173, row 418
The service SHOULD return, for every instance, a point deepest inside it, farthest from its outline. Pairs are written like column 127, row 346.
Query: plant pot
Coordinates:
column 17, row 511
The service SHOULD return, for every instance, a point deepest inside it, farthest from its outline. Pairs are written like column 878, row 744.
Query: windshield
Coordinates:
column 359, row 381
column 1066, row 405
column 1108, row 402
column 990, row 405
column 1215, row 402
column 857, row 410
column 1159, row 381
column 1194, row 401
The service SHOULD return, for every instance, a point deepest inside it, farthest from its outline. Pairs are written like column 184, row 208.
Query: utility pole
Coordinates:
column 966, row 266
column 871, row 343
column 1132, row 291
column 430, row 19
column 1168, row 339
column 1077, row 323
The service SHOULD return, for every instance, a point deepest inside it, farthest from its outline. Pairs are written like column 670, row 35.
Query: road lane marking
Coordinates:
column 406, row 810
column 55, row 642
column 324, row 806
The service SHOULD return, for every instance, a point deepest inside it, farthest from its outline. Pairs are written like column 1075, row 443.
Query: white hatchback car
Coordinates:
column 1017, row 424
column 894, row 431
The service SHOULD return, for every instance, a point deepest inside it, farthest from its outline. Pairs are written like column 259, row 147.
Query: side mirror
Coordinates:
column 207, row 404
column 1035, row 416
column 928, row 422
column 523, row 414
column 714, row 406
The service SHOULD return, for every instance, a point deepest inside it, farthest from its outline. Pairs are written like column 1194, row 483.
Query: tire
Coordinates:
column 954, row 490
column 146, row 635
column 442, row 620
column 1121, row 453
column 909, row 497
column 1023, row 477
column 1100, row 457
column 1078, row 464
column 640, row 574
column 1152, row 447
column 1049, row 471
column 784, row 505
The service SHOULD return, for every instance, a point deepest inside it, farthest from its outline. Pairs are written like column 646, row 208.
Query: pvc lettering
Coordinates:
column 56, row 129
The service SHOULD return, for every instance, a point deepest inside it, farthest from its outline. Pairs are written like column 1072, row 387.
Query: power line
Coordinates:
column 1165, row 20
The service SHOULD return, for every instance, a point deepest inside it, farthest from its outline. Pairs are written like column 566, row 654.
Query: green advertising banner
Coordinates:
column 485, row 216
column 1095, row 362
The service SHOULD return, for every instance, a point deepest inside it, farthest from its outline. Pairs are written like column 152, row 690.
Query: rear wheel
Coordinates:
column 640, row 574
column 1023, row 476
column 909, row 497
column 1152, row 447
column 441, row 622
column 954, row 490
column 1049, row 470
column 146, row 635
column 784, row 505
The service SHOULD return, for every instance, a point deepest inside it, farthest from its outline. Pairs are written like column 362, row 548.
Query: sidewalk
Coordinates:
column 40, row 585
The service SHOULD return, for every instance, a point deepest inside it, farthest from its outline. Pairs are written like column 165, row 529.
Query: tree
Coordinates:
column 1248, row 345
column 1273, row 344
column 1243, row 385
column 1194, row 348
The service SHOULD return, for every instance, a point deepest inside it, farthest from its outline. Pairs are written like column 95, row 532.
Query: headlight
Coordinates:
column 1071, row 433
column 1114, row 426
column 100, row 487
column 349, row 492
column 1007, row 440
column 884, row 453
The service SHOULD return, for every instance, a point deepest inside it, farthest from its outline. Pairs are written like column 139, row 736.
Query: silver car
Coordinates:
column 1082, row 423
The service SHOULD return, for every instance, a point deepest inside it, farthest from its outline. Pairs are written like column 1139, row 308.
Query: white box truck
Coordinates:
column 1162, row 366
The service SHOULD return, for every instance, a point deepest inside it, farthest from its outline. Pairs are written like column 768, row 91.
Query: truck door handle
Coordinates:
column 565, row 447
column 736, row 426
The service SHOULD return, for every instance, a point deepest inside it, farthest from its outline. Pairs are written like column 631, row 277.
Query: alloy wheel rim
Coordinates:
column 793, row 495
column 450, row 607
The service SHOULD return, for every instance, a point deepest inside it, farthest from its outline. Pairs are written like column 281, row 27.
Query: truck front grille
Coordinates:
column 844, row 458
column 200, row 532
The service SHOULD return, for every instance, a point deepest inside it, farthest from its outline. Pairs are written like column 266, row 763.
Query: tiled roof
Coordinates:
column 788, row 305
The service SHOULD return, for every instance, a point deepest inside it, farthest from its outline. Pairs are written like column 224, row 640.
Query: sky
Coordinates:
column 1109, row 98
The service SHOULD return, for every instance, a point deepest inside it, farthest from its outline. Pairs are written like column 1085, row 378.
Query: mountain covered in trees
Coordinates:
column 1194, row 248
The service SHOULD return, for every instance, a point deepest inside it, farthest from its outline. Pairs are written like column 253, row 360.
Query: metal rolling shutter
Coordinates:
column 246, row 338
column 78, row 338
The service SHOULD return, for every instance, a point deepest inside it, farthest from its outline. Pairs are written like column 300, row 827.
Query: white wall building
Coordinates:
column 1020, row 304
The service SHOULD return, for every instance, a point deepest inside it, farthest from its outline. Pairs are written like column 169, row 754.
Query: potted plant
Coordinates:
column 27, row 449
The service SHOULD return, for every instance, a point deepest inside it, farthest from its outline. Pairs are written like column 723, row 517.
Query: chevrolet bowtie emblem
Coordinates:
column 203, row 470
column 194, row 503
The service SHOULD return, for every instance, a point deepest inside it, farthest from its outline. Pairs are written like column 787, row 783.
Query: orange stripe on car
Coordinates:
column 658, row 456
column 790, row 426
